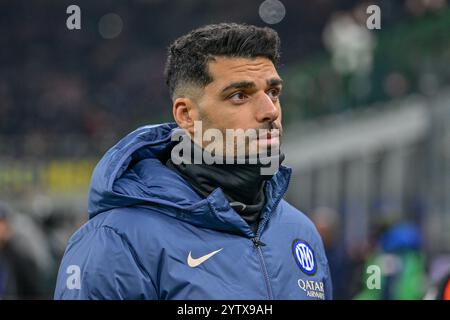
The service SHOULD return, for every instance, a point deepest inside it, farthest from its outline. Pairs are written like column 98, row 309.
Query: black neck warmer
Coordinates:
column 242, row 184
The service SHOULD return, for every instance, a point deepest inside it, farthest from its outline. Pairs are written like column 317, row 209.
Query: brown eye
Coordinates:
column 238, row 97
column 274, row 94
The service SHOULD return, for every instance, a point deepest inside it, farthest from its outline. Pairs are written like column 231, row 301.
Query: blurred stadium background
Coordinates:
column 366, row 116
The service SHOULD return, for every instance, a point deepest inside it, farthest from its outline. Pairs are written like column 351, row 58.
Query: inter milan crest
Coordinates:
column 304, row 256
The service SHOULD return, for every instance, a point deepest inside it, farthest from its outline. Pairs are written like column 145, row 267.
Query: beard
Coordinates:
column 240, row 143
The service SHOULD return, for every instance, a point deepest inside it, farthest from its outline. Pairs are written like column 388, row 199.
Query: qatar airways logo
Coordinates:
column 313, row 289
column 229, row 146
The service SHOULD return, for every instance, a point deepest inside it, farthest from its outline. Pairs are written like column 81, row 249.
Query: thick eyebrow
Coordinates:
column 239, row 85
column 274, row 82
column 250, row 84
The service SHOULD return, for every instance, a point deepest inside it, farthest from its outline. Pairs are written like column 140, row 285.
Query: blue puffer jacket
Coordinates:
column 151, row 236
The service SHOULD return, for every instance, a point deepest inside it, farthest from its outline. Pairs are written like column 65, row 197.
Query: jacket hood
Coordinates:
column 133, row 174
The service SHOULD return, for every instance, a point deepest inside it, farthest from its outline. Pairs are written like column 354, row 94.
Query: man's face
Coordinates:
column 244, row 94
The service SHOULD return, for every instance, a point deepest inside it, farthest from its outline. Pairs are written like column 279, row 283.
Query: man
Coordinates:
column 161, row 228
column 16, row 261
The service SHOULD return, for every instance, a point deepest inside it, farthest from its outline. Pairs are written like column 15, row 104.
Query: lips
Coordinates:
column 269, row 135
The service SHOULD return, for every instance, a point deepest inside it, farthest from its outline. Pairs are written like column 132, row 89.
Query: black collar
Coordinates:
column 242, row 184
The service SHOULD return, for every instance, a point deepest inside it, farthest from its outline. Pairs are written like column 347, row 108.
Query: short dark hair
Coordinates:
column 188, row 55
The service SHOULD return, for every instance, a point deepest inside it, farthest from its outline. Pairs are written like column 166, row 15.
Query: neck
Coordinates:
column 242, row 184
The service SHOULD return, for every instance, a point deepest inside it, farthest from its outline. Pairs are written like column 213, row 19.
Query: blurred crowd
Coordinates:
column 395, row 254
column 71, row 93
column 66, row 93
column 31, row 247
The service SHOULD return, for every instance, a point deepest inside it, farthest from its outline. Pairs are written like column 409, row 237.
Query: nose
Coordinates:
column 267, row 110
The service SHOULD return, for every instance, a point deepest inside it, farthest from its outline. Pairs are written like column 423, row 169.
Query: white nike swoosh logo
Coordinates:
column 196, row 262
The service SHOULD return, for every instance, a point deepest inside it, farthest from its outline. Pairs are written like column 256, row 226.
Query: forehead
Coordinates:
column 227, row 69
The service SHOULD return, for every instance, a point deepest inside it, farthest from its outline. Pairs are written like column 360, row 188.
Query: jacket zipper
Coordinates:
column 258, row 244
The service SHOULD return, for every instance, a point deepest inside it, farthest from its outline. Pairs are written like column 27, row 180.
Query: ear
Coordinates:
column 185, row 113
